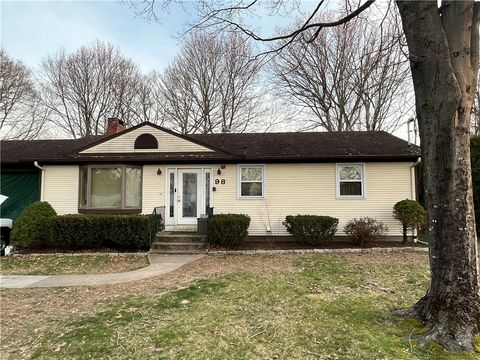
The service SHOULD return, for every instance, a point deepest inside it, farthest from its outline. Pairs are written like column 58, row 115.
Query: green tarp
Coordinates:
column 22, row 189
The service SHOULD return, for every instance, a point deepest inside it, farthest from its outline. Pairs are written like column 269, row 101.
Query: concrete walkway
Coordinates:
column 159, row 265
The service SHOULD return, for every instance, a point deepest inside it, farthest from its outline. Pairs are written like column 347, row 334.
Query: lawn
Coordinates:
column 60, row 264
column 232, row 307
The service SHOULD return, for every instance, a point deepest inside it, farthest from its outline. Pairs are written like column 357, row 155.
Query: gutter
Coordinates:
column 42, row 182
column 128, row 158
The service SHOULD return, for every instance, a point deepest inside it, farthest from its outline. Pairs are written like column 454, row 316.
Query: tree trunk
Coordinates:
column 405, row 233
column 443, row 51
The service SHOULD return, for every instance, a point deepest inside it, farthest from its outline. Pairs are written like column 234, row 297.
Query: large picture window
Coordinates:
column 350, row 181
column 110, row 187
column 251, row 181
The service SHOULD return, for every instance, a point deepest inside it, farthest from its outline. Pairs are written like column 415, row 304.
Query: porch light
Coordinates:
column 159, row 172
column 219, row 172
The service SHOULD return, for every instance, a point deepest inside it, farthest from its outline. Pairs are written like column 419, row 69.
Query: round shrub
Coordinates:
column 228, row 230
column 311, row 229
column 411, row 214
column 365, row 229
column 32, row 228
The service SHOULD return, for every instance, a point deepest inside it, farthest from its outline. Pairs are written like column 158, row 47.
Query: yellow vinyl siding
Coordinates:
column 293, row 189
column 166, row 143
column 60, row 187
column 153, row 189
column 290, row 189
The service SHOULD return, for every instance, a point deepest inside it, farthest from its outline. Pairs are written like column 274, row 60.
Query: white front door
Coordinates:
column 189, row 196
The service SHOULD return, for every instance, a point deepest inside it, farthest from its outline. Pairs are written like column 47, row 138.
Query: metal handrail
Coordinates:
column 159, row 217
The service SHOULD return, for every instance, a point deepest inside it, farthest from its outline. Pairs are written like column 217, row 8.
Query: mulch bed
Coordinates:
column 96, row 251
column 292, row 245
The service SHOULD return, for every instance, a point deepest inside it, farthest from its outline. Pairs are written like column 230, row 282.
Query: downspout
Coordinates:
column 413, row 191
column 35, row 163
column 413, row 187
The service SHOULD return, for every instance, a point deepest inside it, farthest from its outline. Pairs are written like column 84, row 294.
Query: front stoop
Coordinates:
column 172, row 242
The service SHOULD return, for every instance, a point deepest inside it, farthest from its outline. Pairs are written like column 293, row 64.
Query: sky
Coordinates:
column 31, row 30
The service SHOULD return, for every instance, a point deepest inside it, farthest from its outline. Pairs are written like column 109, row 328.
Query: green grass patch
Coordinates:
column 329, row 307
column 61, row 265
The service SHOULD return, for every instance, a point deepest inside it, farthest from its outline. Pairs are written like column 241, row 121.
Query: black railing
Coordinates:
column 209, row 211
column 202, row 222
column 158, row 215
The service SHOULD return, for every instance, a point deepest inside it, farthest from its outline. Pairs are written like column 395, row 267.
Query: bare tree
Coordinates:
column 348, row 78
column 22, row 115
column 443, row 45
column 174, row 92
column 86, row 87
column 241, row 99
column 135, row 99
column 211, row 85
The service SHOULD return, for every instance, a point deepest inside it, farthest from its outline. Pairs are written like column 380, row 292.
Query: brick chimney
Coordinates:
column 115, row 125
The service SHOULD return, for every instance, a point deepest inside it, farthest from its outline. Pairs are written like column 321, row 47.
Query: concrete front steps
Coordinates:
column 174, row 242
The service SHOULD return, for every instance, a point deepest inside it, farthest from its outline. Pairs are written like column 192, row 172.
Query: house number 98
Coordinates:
column 218, row 181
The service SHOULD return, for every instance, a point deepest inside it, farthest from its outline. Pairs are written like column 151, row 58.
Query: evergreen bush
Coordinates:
column 31, row 229
column 311, row 229
column 411, row 214
column 228, row 230
column 122, row 232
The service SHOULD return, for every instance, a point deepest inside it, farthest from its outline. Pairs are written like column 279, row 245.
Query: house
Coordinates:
column 264, row 175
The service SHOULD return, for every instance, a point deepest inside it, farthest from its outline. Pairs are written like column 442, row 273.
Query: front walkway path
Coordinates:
column 159, row 265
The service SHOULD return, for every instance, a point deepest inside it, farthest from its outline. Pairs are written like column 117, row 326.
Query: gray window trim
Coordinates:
column 123, row 186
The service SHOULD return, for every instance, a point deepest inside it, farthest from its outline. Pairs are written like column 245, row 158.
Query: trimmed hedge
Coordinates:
column 31, row 228
column 411, row 214
column 123, row 232
column 311, row 229
column 228, row 229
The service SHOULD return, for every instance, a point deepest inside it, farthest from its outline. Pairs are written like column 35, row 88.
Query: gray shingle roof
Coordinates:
column 298, row 146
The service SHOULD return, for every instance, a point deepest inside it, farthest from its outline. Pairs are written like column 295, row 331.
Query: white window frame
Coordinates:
column 239, row 181
column 363, row 181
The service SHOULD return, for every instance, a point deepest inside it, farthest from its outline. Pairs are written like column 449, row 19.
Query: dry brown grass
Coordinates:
column 65, row 265
column 26, row 313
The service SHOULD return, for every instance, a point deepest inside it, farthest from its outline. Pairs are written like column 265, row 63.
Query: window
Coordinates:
column 251, row 181
column 110, row 187
column 146, row 141
column 350, row 181
column 207, row 190
column 171, row 203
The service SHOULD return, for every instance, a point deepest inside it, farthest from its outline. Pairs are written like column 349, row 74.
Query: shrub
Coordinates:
column 411, row 214
column 123, row 232
column 31, row 228
column 311, row 229
column 365, row 229
column 228, row 229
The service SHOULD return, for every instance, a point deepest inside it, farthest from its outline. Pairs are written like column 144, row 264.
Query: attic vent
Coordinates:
column 146, row 141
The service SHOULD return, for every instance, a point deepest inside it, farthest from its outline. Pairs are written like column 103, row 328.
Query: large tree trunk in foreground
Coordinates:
column 443, row 50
